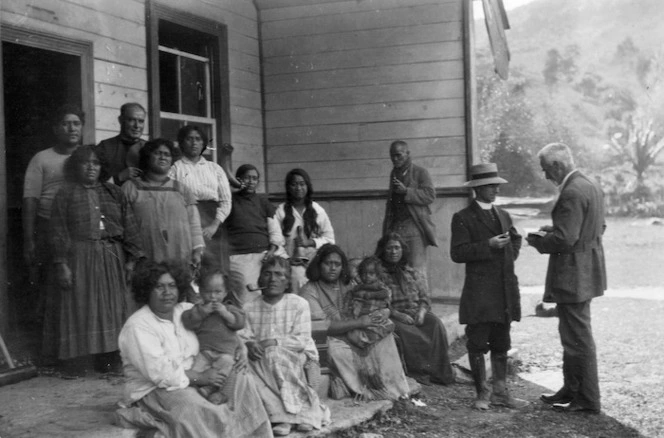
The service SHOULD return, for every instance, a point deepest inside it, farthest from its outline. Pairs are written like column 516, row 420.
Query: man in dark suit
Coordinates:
column 119, row 154
column 407, row 210
column 576, row 274
column 484, row 238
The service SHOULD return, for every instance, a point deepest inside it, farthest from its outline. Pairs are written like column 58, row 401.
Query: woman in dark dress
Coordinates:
column 421, row 335
column 96, row 243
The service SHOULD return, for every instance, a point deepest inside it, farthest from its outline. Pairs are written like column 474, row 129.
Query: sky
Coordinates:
column 509, row 4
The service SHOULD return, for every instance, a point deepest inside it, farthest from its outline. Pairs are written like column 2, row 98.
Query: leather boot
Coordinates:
column 501, row 395
column 478, row 370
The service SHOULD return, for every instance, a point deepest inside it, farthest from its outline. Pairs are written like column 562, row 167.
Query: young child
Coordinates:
column 370, row 297
column 215, row 324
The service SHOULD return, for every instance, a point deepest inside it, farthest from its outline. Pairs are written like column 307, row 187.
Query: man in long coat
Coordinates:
column 484, row 238
column 576, row 274
column 408, row 211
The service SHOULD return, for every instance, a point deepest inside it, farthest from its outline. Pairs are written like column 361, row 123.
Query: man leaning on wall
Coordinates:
column 408, row 211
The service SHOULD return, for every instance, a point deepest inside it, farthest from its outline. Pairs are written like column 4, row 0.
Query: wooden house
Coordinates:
column 325, row 85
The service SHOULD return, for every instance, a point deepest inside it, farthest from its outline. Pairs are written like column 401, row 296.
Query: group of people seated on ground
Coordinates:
column 205, row 296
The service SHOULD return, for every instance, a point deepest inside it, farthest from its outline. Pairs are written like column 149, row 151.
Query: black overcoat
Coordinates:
column 491, row 289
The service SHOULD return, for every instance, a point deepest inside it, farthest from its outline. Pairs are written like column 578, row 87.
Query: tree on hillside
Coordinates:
column 635, row 127
column 507, row 132
column 637, row 142
column 557, row 66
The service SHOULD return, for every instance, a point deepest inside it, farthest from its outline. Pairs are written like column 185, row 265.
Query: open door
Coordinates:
column 40, row 72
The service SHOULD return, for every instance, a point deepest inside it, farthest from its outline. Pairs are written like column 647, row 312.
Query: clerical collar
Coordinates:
column 484, row 205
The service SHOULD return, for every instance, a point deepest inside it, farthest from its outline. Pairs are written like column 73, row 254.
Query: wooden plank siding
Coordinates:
column 358, row 226
column 120, row 58
column 349, row 73
column 342, row 79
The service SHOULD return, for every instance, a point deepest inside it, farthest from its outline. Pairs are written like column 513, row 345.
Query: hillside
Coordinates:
column 596, row 26
column 608, row 63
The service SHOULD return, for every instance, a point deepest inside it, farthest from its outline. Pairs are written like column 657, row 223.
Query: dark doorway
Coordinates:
column 36, row 82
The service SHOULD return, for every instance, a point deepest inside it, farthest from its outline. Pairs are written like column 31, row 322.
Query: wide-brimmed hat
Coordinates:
column 483, row 175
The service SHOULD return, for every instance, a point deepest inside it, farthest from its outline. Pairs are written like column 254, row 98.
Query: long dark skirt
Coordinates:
column 425, row 349
column 217, row 250
column 91, row 313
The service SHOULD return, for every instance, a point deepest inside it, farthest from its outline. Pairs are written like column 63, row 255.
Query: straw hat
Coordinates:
column 483, row 175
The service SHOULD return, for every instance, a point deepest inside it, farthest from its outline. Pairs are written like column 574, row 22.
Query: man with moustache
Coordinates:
column 484, row 238
column 408, row 211
column 119, row 154
column 576, row 274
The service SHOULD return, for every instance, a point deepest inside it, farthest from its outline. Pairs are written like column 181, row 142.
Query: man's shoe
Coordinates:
column 560, row 397
column 574, row 407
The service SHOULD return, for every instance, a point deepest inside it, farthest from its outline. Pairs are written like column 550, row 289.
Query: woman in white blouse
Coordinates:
column 158, row 354
column 304, row 224
column 209, row 184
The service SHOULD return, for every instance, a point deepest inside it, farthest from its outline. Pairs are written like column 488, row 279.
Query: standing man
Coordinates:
column 119, row 154
column 43, row 178
column 407, row 211
column 576, row 274
column 484, row 238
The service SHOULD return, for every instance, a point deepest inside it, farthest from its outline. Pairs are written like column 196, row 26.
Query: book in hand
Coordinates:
column 535, row 234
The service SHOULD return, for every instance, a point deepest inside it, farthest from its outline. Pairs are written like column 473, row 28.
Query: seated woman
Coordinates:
column 278, row 337
column 253, row 233
column 158, row 354
column 370, row 373
column 421, row 334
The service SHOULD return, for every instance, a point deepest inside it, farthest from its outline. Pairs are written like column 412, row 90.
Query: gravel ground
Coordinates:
column 629, row 337
column 628, row 326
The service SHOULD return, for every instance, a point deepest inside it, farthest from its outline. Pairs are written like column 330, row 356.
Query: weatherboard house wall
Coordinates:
column 320, row 84
column 118, row 34
column 341, row 81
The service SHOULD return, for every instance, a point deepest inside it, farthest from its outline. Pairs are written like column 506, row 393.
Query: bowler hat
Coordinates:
column 483, row 175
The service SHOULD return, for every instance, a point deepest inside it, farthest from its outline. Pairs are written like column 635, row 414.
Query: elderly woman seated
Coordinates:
column 158, row 354
column 421, row 334
column 278, row 337
column 369, row 373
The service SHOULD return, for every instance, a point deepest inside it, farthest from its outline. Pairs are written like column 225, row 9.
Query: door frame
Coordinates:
column 59, row 44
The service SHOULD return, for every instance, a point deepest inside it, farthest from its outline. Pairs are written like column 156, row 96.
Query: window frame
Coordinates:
column 219, row 71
